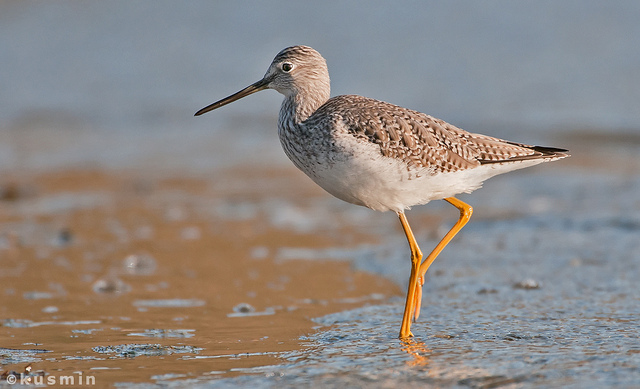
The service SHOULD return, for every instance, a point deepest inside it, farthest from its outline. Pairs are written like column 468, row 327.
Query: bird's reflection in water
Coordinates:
column 418, row 350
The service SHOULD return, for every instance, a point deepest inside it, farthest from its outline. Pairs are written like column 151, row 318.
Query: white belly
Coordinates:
column 362, row 175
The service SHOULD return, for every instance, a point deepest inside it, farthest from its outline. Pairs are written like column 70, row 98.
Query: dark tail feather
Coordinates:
column 551, row 152
column 541, row 152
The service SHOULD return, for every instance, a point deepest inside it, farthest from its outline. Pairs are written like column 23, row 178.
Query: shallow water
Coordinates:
column 539, row 300
column 206, row 282
column 146, row 248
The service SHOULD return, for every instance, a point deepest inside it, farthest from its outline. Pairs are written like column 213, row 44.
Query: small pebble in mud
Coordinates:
column 110, row 286
column 528, row 283
column 64, row 237
column 139, row 264
column 244, row 308
column 11, row 192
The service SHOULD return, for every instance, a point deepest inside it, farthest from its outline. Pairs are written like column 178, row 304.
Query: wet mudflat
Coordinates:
column 136, row 280
column 255, row 277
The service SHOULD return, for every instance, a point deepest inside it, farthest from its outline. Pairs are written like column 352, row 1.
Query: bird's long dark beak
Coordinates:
column 253, row 88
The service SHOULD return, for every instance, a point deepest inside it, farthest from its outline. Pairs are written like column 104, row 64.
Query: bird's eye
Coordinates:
column 287, row 67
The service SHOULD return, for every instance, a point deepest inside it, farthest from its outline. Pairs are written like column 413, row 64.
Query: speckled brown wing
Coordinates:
column 423, row 141
column 495, row 150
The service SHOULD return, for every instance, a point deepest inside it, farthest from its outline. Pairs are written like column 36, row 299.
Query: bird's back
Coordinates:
column 420, row 140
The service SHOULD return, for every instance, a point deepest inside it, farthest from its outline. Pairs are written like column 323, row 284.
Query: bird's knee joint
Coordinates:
column 416, row 257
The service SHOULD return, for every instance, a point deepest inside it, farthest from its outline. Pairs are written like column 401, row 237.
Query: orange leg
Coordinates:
column 416, row 280
column 416, row 258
